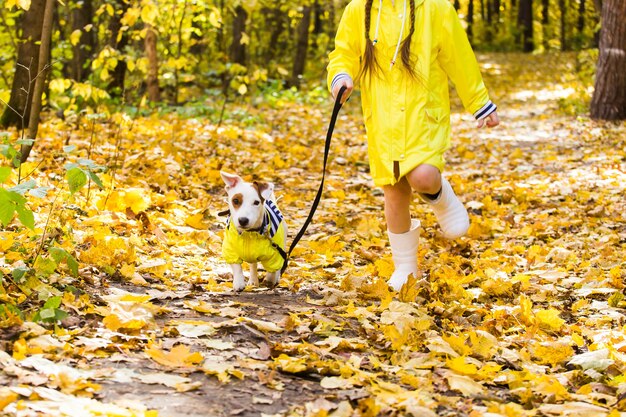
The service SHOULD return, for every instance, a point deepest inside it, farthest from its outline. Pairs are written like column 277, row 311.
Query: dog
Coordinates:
column 255, row 232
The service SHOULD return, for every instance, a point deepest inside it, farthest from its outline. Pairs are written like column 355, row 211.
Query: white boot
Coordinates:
column 450, row 212
column 404, row 254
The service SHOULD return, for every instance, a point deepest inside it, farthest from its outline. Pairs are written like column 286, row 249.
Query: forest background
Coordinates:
column 117, row 116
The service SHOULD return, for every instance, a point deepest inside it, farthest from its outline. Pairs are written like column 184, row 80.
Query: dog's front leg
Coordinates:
column 239, row 283
column 254, row 275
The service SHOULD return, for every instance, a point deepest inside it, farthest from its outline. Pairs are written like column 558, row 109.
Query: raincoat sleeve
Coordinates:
column 459, row 62
column 345, row 58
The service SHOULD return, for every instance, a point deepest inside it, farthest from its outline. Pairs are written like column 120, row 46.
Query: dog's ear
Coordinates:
column 266, row 189
column 231, row 180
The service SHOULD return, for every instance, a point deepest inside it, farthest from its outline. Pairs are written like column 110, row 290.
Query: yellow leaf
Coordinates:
column 215, row 19
column 266, row 326
column 24, row 4
column 291, row 365
column 179, row 356
column 7, row 397
column 459, row 365
column 113, row 322
column 197, row 221
column 408, row 292
column 149, row 13
column 458, row 343
column 379, row 290
column 552, row 354
column 549, row 319
column 526, row 306
column 384, row 267
column 136, row 199
column 75, row 37
column 243, row 89
column 482, row 343
column 464, row 384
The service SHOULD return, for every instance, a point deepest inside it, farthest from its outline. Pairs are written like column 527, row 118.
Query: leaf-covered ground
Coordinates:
column 524, row 317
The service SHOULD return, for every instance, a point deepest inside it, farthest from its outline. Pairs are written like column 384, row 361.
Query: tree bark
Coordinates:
column 42, row 72
column 302, row 47
column 563, row 10
column 238, row 49
column 470, row 20
column 118, row 40
column 152, row 79
column 82, row 15
column 525, row 24
column 545, row 21
column 609, row 97
column 30, row 26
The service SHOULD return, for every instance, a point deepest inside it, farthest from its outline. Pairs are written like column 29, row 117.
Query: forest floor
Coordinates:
column 523, row 317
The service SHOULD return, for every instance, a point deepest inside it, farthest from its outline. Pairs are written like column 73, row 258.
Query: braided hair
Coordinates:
column 370, row 62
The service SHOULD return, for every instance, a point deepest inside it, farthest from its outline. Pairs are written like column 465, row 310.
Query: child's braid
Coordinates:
column 370, row 64
column 406, row 45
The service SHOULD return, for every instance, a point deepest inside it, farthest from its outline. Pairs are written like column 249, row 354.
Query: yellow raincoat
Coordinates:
column 408, row 119
column 250, row 246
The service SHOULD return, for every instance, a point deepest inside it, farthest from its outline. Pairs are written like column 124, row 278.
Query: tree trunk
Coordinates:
column 545, row 21
column 302, row 47
column 609, row 96
column 30, row 26
column 470, row 20
column 563, row 10
column 238, row 49
column 118, row 41
column 525, row 24
column 152, row 79
column 580, row 27
column 82, row 16
column 457, row 5
column 276, row 26
column 42, row 72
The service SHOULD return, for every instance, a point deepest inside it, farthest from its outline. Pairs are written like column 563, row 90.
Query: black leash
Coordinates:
column 329, row 135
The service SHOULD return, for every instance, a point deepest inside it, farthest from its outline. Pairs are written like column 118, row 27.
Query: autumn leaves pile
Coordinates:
column 524, row 317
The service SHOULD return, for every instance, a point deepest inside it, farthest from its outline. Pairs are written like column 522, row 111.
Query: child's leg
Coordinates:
column 402, row 231
column 437, row 192
column 397, row 203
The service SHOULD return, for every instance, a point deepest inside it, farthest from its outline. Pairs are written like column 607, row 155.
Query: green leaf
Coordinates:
column 39, row 192
column 53, row 302
column 96, row 179
column 5, row 173
column 19, row 272
column 46, row 313
column 23, row 187
column 26, row 216
column 45, row 266
column 61, row 255
column 7, row 207
column 76, row 178
column 69, row 148
column 25, row 141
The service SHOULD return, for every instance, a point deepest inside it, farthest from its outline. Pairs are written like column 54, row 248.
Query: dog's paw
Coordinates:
column 271, row 279
column 238, row 287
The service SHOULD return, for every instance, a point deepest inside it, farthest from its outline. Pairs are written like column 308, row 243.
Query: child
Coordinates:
column 403, row 52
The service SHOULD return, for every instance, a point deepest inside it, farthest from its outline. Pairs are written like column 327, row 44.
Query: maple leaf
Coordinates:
column 179, row 357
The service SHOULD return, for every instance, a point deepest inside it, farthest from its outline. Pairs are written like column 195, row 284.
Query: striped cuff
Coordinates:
column 339, row 77
column 485, row 110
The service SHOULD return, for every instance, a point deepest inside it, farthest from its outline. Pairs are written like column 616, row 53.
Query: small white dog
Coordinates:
column 256, row 231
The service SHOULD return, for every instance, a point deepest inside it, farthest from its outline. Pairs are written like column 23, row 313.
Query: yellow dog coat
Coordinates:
column 257, row 246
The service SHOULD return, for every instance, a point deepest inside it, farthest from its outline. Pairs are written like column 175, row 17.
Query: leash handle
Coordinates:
column 329, row 135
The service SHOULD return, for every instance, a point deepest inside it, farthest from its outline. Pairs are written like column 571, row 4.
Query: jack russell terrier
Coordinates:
column 255, row 232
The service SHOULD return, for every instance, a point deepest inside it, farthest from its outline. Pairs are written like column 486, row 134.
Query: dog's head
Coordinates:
column 246, row 200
